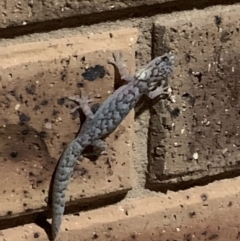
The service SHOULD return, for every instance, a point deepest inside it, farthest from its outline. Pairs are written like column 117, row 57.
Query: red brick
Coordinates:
column 181, row 216
column 34, row 77
column 198, row 135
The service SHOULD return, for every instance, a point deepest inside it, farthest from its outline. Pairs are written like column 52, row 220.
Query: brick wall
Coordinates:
column 51, row 50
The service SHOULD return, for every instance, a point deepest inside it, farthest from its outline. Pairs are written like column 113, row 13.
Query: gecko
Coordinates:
column 150, row 80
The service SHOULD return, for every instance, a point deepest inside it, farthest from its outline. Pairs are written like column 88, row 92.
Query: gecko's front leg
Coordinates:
column 83, row 105
column 157, row 92
column 160, row 90
column 121, row 66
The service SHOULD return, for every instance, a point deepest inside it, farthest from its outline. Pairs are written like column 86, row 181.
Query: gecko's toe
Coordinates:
column 116, row 58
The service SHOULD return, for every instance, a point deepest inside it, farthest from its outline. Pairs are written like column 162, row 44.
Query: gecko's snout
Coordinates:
column 172, row 59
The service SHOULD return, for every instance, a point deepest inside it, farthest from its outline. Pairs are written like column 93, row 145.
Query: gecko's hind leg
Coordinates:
column 99, row 147
column 121, row 65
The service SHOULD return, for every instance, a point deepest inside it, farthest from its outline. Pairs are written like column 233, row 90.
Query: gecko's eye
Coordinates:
column 165, row 58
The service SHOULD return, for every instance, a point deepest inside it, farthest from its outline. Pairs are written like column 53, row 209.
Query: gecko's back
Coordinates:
column 113, row 110
column 119, row 104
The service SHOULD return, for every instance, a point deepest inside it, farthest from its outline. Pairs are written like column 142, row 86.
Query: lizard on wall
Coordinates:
column 149, row 80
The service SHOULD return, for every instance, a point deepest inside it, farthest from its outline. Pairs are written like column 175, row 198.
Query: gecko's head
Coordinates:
column 157, row 70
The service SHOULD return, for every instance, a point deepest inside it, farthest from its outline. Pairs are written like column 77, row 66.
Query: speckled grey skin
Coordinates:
column 150, row 80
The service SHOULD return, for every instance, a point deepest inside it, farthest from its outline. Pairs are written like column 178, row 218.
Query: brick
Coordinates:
column 36, row 124
column 22, row 13
column 198, row 135
column 181, row 216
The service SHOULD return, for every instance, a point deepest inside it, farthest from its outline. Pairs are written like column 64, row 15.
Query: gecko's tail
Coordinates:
column 61, row 180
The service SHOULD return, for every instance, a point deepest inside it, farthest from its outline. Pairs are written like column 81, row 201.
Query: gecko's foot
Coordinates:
column 81, row 101
column 99, row 148
column 120, row 63
column 167, row 90
column 116, row 59
column 160, row 90
column 95, row 153
column 79, row 161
